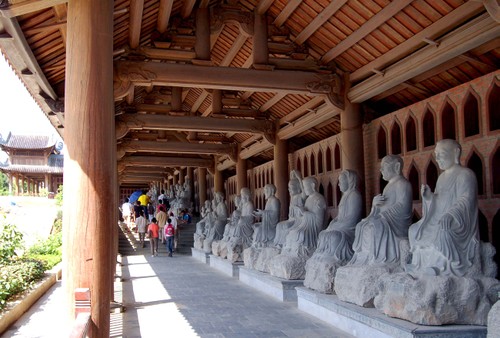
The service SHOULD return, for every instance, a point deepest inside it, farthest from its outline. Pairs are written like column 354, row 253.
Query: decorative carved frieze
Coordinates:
column 331, row 86
column 223, row 15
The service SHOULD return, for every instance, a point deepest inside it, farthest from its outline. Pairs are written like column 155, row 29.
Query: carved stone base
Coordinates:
column 219, row 248
column 198, row 242
column 200, row 255
column 234, row 251
column 436, row 300
column 250, row 256
column 207, row 245
column 265, row 257
column 288, row 267
column 320, row 273
column 359, row 284
column 369, row 322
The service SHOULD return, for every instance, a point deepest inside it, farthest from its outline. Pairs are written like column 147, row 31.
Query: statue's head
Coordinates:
column 219, row 196
column 310, row 185
column 348, row 180
column 245, row 194
column 447, row 153
column 391, row 166
column 269, row 190
column 237, row 200
column 294, row 187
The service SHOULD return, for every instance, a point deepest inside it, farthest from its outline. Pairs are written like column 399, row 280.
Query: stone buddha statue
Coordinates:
column 243, row 232
column 203, row 226
column 335, row 243
column 265, row 230
column 219, row 220
column 301, row 240
column 219, row 247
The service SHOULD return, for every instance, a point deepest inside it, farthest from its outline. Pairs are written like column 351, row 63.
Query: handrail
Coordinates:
column 81, row 326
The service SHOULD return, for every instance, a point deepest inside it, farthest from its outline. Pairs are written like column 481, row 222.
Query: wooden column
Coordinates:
column 202, row 44
column 90, row 164
column 174, row 179
column 202, row 185
column 281, row 175
column 182, row 176
column 23, row 180
column 351, row 137
column 218, row 181
column 190, row 176
column 10, row 183
column 260, row 48
column 241, row 174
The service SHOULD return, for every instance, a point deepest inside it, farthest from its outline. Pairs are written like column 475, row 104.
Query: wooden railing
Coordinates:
column 81, row 326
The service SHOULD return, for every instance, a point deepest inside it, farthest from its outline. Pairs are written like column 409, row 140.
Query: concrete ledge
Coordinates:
column 369, row 322
column 13, row 314
column 200, row 255
column 225, row 266
column 278, row 288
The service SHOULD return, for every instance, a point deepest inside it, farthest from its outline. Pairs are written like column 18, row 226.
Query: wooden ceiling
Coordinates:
column 385, row 55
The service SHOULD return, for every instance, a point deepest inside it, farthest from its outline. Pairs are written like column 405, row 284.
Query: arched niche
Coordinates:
column 494, row 107
column 321, row 189
column 475, row 163
column 471, row 115
column 495, row 164
column 381, row 143
column 312, row 160
column 320, row 162
column 271, row 175
column 338, row 161
column 413, row 177
column 305, row 168
column 483, row 226
column 411, row 134
column 448, row 125
column 329, row 164
column 338, row 194
column 396, row 138
column 431, row 175
column 329, row 194
column 299, row 165
column 428, row 129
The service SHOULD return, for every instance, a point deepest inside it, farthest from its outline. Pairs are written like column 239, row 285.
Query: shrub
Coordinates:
column 15, row 278
column 59, row 196
column 11, row 240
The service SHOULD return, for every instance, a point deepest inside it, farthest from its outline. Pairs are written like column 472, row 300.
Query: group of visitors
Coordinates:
column 157, row 221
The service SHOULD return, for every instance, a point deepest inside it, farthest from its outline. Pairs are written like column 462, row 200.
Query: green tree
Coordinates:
column 4, row 184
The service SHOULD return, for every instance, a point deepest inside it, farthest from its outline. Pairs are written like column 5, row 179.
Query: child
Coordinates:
column 169, row 236
column 153, row 231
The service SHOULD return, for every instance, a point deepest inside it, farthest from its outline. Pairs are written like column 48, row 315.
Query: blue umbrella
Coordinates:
column 135, row 196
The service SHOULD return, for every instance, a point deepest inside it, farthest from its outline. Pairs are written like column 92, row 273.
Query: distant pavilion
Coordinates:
column 34, row 163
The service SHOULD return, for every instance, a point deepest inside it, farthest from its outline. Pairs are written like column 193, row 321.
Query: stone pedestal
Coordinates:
column 200, row 255
column 365, row 322
column 288, row 267
column 227, row 267
column 494, row 320
column 250, row 256
column 219, row 248
column 320, row 274
column 359, row 284
column 278, row 288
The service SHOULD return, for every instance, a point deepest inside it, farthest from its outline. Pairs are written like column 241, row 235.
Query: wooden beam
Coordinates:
column 187, row 8
column 300, row 111
column 272, row 101
column 164, row 15
column 460, row 14
column 377, row 20
column 28, row 6
column 290, row 7
column 173, row 147
column 471, row 35
column 135, row 22
column 234, row 50
column 199, row 101
column 263, row 6
column 167, row 54
column 225, row 78
column 255, row 148
column 319, row 20
column 44, row 28
column 307, row 122
column 172, row 161
column 127, row 122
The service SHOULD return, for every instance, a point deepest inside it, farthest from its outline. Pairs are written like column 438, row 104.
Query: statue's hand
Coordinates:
column 445, row 222
column 379, row 200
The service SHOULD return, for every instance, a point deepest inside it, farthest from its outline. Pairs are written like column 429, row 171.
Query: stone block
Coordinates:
column 320, row 274
column 280, row 289
column 225, row 266
column 200, row 255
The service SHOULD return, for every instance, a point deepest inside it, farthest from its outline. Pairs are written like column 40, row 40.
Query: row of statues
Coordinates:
column 382, row 260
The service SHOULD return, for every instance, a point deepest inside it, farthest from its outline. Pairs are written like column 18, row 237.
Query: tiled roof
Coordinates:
column 31, row 169
column 27, row 142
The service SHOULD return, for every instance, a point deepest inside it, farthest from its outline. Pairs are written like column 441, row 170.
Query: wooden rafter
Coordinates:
column 187, row 8
column 28, row 6
column 167, row 161
column 175, row 147
column 263, row 6
column 290, row 7
column 164, row 15
column 136, row 10
column 377, row 20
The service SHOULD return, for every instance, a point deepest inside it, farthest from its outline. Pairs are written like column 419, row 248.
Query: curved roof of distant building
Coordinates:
column 13, row 141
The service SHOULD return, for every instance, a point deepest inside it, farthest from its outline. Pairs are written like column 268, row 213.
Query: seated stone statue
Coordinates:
column 378, row 236
column 302, row 238
column 203, row 225
column 451, row 277
column 265, row 230
column 446, row 240
column 381, row 239
column 296, row 204
column 219, row 247
column 335, row 243
column 242, row 237
column 219, row 219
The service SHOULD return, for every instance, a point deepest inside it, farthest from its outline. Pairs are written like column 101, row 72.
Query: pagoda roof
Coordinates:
column 27, row 142
column 55, row 166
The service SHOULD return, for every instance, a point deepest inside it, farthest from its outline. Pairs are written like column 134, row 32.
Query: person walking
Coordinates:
column 169, row 235
column 162, row 217
column 153, row 231
column 140, row 223
column 127, row 210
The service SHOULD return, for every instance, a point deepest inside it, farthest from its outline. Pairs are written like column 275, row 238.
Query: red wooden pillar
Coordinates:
column 241, row 173
column 202, row 185
column 281, row 175
column 90, row 164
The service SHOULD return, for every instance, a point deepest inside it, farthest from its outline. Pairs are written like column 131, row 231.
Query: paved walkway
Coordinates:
column 182, row 297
